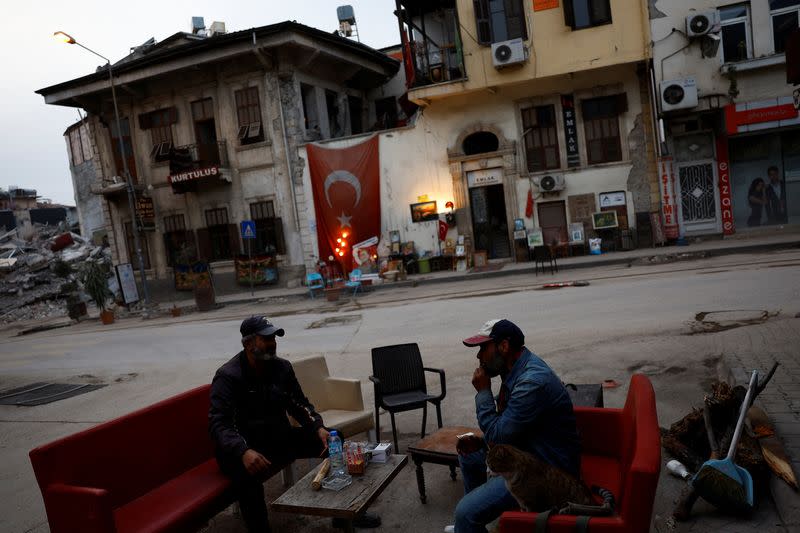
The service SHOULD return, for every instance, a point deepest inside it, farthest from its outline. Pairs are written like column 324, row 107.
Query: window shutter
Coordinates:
column 622, row 103
column 233, row 239
column 203, row 244
column 482, row 21
column 280, row 244
column 569, row 13
column 515, row 19
column 145, row 121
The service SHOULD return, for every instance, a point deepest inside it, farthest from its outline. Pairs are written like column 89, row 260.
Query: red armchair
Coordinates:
column 622, row 453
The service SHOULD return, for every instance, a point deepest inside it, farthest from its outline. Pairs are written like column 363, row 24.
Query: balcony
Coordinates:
column 431, row 40
column 196, row 156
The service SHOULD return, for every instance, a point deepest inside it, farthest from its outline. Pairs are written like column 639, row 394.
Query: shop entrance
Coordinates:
column 489, row 221
column 697, row 191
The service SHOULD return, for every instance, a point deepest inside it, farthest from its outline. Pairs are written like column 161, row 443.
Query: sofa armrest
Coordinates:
column 442, row 385
column 73, row 508
column 344, row 394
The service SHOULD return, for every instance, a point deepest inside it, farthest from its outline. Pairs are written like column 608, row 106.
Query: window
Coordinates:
column 601, row 124
column 386, row 112
column 735, row 21
column 785, row 16
column 540, row 134
column 248, row 110
column 269, row 230
column 219, row 236
column 126, row 145
column 132, row 257
column 500, row 20
column 176, row 238
column 580, row 14
column 355, row 106
column 80, row 149
column 159, row 123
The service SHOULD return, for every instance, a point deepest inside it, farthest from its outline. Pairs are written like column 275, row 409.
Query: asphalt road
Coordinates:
column 630, row 319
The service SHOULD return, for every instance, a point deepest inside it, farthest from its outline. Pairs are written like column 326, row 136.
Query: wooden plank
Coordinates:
column 347, row 503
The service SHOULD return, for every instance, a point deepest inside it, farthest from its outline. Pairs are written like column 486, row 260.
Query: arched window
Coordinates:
column 480, row 142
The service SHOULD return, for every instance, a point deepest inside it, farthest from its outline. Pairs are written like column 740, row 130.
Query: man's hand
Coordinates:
column 323, row 436
column 469, row 444
column 254, row 462
column 480, row 380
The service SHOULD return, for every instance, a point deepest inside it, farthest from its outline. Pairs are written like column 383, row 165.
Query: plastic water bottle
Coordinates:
column 335, row 454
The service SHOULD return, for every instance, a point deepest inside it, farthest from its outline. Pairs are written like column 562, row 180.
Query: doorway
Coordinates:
column 697, row 192
column 489, row 221
column 205, row 133
column 553, row 221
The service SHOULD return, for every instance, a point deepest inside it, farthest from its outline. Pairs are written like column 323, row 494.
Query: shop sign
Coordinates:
column 145, row 213
column 570, row 130
column 542, row 5
column 609, row 199
column 724, row 172
column 193, row 175
column 482, row 178
column 669, row 208
column 735, row 118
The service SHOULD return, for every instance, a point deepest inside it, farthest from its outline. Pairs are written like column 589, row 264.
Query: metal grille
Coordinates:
column 260, row 210
column 697, row 192
column 174, row 223
column 216, row 217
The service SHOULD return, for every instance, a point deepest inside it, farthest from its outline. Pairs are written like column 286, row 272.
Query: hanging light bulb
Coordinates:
column 339, row 241
column 344, row 235
column 341, row 254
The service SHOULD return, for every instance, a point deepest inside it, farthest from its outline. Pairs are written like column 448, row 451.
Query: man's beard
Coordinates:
column 263, row 355
column 495, row 367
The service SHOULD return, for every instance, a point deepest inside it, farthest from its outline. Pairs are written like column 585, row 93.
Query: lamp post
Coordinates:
column 128, row 179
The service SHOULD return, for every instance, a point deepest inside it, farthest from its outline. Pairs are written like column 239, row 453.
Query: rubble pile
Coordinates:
column 38, row 275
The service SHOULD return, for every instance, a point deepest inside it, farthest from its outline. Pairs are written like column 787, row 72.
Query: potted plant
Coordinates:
column 95, row 281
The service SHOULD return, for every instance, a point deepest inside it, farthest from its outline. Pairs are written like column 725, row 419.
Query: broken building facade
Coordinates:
column 211, row 123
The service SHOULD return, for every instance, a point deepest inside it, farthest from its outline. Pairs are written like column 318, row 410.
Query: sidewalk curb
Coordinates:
column 783, row 497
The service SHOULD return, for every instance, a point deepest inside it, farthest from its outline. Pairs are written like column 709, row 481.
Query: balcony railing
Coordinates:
column 198, row 155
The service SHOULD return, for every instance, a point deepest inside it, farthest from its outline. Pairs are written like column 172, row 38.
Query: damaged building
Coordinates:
column 210, row 124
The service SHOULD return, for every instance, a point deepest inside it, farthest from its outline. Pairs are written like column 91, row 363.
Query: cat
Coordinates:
column 537, row 485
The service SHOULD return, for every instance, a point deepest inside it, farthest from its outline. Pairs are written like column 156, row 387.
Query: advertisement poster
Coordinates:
column 669, row 208
column 365, row 256
column 127, row 283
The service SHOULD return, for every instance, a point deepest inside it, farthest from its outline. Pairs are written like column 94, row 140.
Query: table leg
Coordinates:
column 453, row 472
column 420, row 479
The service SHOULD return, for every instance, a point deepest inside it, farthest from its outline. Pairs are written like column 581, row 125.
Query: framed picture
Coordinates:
column 576, row 232
column 519, row 224
column 535, row 238
column 408, row 248
column 461, row 250
column 608, row 199
column 519, row 234
column 604, row 220
column 480, row 259
column 395, row 248
column 394, row 236
column 424, row 211
column 460, row 239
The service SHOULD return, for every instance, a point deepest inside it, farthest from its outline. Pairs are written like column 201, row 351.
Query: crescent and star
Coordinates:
column 348, row 178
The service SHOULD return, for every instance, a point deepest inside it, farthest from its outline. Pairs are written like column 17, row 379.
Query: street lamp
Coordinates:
column 68, row 39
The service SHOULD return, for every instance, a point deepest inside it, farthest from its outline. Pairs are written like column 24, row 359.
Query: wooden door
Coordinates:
column 553, row 221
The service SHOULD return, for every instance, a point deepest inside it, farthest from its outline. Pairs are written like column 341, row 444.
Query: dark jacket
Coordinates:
column 251, row 412
column 776, row 207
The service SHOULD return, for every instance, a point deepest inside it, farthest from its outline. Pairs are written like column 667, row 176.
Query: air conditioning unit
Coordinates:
column 698, row 24
column 507, row 53
column 550, row 183
column 678, row 94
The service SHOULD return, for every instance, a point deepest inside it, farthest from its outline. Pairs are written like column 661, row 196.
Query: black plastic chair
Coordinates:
column 399, row 379
column 542, row 255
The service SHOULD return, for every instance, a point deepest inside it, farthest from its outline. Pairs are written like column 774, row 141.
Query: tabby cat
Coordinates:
column 537, row 485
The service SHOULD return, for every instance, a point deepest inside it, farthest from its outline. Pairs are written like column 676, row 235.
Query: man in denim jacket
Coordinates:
column 533, row 412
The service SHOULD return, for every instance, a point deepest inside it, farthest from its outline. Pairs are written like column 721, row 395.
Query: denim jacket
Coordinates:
column 538, row 417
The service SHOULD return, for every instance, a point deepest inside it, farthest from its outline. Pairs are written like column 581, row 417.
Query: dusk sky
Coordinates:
column 33, row 154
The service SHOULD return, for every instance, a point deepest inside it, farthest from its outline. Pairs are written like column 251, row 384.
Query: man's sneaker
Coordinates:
column 449, row 529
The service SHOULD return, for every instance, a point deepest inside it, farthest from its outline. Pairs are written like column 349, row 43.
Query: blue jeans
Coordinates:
column 484, row 500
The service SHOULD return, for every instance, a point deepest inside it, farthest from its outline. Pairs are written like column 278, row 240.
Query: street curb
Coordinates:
column 783, row 497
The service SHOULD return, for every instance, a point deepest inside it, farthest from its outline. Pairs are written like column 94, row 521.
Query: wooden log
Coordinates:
column 771, row 446
column 316, row 483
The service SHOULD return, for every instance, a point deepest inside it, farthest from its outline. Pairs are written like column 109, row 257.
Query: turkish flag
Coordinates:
column 529, row 205
column 346, row 185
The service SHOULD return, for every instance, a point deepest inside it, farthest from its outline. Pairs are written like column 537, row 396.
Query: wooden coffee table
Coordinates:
column 348, row 503
column 438, row 448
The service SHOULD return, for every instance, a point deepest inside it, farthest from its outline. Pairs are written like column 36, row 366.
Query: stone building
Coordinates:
column 211, row 123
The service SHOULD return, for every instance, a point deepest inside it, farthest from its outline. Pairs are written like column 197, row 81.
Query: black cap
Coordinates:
column 497, row 330
column 259, row 325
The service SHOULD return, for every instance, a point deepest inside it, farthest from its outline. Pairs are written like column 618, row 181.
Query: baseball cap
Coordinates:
column 259, row 325
column 496, row 330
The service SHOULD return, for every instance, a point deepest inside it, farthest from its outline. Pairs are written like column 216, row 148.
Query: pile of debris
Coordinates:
column 707, row 433
column 39, row 275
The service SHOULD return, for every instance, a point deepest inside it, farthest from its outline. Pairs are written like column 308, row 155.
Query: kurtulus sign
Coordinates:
column 192, row 175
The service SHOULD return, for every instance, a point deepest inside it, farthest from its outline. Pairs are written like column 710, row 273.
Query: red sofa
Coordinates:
column 152, row 470
column 622, row 453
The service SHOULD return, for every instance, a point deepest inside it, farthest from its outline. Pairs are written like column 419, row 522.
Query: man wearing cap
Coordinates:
column 250, row 397
column 533, row 412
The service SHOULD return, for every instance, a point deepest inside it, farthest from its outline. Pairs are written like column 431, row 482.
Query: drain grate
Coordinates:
column 42, row 393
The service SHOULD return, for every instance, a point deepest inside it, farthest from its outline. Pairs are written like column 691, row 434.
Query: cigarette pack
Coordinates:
column 381, row 452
